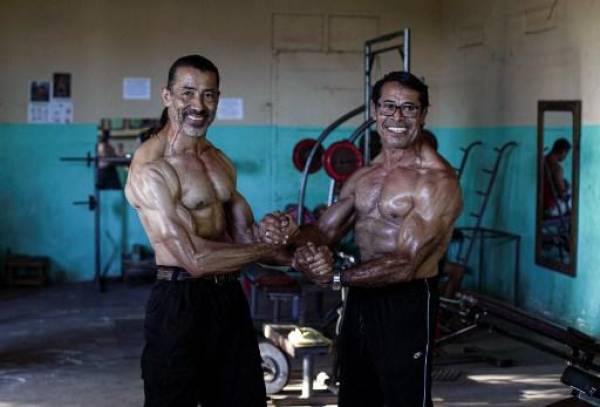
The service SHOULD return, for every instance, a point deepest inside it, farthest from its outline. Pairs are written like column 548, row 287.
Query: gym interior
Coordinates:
column 519, row 317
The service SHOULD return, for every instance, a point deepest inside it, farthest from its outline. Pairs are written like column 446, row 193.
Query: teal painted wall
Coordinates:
column 38, row 217
column 263, row 158
column 569, row 300
column 37, row 192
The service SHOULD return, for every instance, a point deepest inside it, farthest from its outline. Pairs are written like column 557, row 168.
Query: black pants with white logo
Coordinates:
column 385, row 346
column 200, row 347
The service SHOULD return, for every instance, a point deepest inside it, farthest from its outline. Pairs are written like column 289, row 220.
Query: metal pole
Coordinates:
column 307, row 376
column 386, row 37
column 406, row 46
column 355, row 136
column 367, row 92
column 311, row 155
column 97, row 243
column 330, row 196
column 517, row 271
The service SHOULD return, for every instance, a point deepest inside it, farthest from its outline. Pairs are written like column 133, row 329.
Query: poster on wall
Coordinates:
column 61, row 111
column 61, row 86
column 38, row 112
column 51, row 104
column 61, row 105
column 136, row 88
column 39, row 101
column 39, row 91
column 230, row 109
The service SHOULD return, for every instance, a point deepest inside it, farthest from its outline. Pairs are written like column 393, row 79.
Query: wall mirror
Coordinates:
column 558, row 134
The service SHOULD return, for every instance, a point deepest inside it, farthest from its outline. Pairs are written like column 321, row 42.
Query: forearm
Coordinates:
column 283, row 256
column 201, row 257
column 309, row 233
column 224, row 258
column 380, row 272
column 175, row 249
column 280, row 255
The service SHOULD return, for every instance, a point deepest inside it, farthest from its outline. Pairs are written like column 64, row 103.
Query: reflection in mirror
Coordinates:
column 558, row 157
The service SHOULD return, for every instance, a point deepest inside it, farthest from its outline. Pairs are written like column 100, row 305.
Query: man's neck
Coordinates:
column 179, row 143
column 394, row 157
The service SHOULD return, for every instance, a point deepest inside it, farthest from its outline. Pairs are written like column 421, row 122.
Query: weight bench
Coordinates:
column 585, row 385
column 26, row 270
column 277, row 286
column 278, row 334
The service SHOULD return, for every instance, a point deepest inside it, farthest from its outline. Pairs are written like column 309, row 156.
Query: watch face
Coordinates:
column 336, row 282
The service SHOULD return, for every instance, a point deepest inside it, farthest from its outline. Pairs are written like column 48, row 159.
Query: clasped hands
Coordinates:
column 277, row 228
column 315, row 262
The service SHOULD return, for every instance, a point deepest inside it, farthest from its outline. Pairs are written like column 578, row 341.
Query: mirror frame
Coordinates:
column 573, row 106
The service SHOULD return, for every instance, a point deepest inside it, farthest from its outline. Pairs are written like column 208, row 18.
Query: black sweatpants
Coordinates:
column 200, row 347
column 385, row 345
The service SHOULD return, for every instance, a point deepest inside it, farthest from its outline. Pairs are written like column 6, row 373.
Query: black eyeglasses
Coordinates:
column 408, row 109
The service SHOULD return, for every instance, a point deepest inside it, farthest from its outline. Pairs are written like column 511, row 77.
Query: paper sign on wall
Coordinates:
column 51, row 107
column 38, row 112
column 39, row 98
column 230, row 109
column 136, row 88
column 61, row 111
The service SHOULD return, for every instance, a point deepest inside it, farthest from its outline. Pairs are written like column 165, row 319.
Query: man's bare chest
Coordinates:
column 390, row 196
column 203, row 180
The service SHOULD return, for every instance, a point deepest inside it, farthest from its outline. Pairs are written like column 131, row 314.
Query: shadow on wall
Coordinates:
column 247, row 166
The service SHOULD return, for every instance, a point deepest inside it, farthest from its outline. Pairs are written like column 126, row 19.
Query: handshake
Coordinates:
column 316, row 263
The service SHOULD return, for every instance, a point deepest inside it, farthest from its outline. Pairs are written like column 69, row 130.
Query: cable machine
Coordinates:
column 372, row 49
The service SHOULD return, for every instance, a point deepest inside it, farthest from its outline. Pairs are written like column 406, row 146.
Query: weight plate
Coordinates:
column 341, row 160
column 276, row 368
column 301, row 152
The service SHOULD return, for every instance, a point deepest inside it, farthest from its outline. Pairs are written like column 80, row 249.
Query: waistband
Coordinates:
column 401, row 287
column 174, row 273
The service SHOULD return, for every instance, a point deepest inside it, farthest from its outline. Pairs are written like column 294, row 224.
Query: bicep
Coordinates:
column 337, row 219
column 153, row 191
column 431, row 222
column 240, row 218
column 149, row 187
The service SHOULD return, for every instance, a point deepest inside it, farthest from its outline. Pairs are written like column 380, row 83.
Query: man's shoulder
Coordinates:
column 434, row 160
column 151, row 150
column 356, row 177
column 226, row 160
column 442, row 179
column 149, row 164
column 439, row 188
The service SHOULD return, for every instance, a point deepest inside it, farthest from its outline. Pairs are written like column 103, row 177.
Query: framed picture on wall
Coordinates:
column 61, row 85
column 39, row 91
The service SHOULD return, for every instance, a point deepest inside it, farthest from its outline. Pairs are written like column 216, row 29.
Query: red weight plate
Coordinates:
column 301, row 152
column 341, row 160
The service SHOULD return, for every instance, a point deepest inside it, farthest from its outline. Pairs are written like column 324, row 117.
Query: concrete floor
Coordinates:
column 70, row 345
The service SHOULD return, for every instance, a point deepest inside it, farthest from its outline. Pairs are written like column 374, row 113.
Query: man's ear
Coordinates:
column 423, row 117
column 167, row 97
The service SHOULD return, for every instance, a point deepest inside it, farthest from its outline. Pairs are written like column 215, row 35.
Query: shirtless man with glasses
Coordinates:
column 402, row 209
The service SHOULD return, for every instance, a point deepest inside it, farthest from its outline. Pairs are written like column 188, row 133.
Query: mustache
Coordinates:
column 394, row 123
column 196, row 112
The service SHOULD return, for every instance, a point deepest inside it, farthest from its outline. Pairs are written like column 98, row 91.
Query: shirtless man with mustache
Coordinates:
column 402, row 209
column 200, row 344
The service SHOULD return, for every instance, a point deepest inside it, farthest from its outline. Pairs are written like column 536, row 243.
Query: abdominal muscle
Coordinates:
column 207, row 223
column 377, row 238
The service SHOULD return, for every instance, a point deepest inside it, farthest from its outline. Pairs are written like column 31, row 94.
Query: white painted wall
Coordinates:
column 501, row 56
column 487, row 61
column 101, row 42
